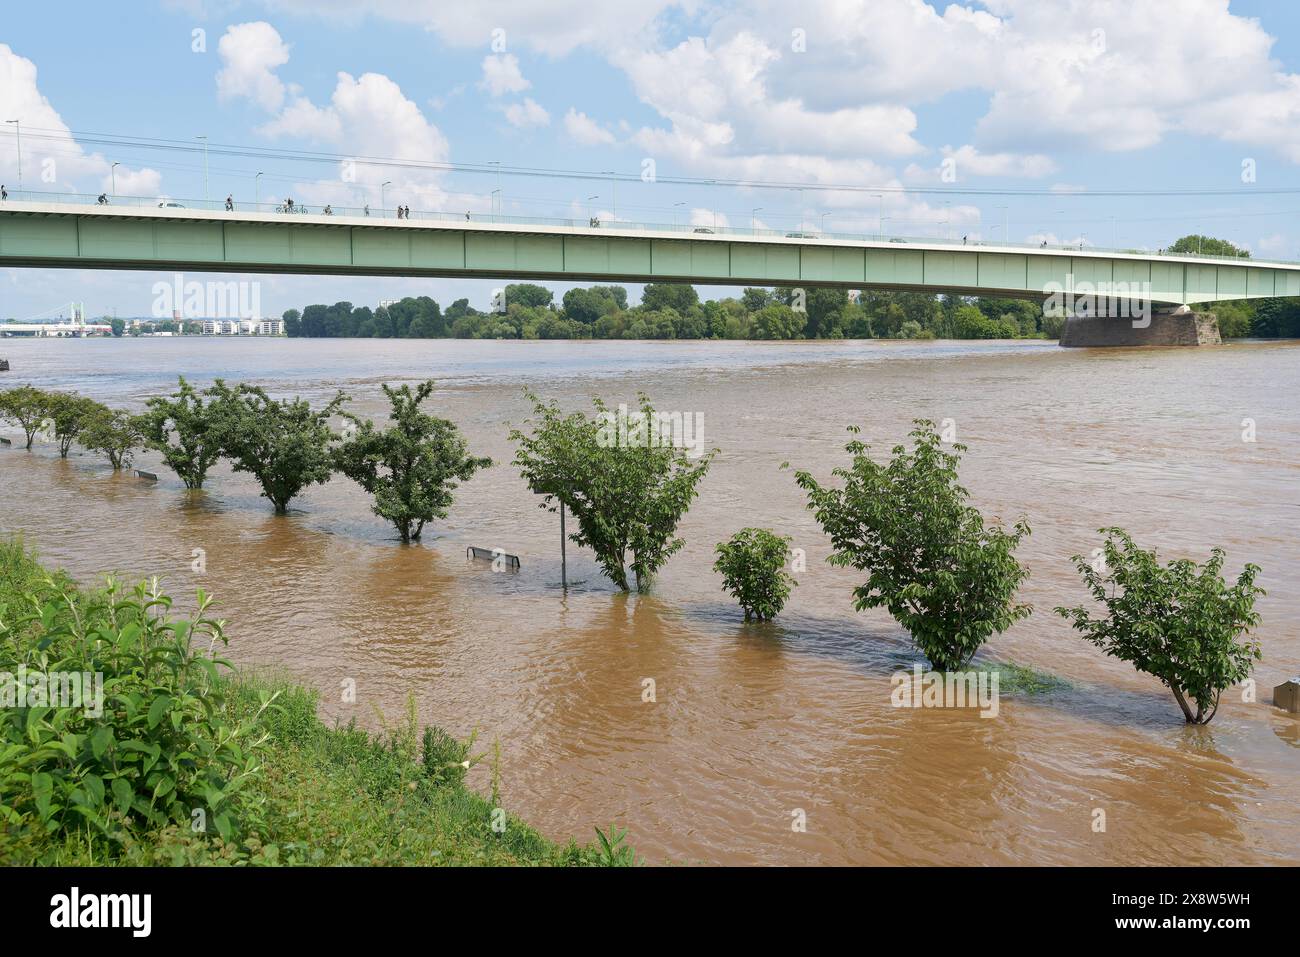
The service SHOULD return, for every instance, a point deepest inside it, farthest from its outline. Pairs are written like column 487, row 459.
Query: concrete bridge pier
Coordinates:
column 1177, row 327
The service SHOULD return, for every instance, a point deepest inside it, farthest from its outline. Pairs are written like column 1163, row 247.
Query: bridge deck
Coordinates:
column 72, row 234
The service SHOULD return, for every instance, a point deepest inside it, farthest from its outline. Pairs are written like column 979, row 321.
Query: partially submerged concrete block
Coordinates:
column 1287, row 695
column 1160, row 329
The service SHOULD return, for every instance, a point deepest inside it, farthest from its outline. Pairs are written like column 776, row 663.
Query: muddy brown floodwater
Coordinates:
column 751, row 723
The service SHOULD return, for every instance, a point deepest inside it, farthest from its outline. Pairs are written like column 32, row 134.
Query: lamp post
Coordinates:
column 382, row 186
column 207, row 198
column 589, row 199
column 752, row 214
column 112, row 172
column 613, row 185
column 257, row 191
column 18, row 132
column 675, row 205
column 881, row 217
column 824, row 215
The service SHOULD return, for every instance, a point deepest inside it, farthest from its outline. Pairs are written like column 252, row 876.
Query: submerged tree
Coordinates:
column 628, row 491
column 115, row 433
column 413, row 466
column 752, row 565
column 68, row 416
column 27, row 407
column 284, row 444
column 1180, row 622
column 931, row 562
column 185, row 430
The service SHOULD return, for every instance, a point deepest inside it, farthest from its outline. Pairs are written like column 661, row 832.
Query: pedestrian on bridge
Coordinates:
column 230, row 204
column 4, row 193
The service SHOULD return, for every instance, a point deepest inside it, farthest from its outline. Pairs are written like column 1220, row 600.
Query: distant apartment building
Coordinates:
column 243, row 327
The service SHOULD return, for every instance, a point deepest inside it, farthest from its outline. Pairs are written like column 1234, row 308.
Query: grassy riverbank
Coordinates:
column 289, row 789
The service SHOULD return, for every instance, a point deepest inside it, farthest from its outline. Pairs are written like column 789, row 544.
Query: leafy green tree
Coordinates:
column 931, row 562
column 185, row 430
column 115, row 433
column 755, row 299
column 118, row 326
column 284, row 444
column 413, row 466
column 1180, row 622
column 752, row 566
column 676, row 296
column 627, row 491
column 1196, row 244
column 588, row 306
column 68, row 415
column 1275, row 318
column 529, row 294
column 777, row 321
column 27, row 407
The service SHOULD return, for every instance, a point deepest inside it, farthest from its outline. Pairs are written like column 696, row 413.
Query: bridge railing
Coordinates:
column 469, row 216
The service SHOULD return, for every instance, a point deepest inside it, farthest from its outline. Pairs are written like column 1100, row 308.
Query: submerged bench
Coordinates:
column 491, row 555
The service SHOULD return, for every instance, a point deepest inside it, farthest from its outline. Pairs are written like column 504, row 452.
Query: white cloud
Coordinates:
column 372, row 110
column 967, row 162
column 555, row 28
column 527, row 114
column 584, row 130
column 250, row 53
column 709, row 218
column 501, row 75
column 53, row 161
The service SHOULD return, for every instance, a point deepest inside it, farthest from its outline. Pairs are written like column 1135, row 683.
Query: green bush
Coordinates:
column 752, row 565
column 1180, row 622
column 153, row 747
column 943, row 575
column 446, row 760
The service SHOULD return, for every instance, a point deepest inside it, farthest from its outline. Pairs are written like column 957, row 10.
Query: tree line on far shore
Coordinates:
column 675, row 311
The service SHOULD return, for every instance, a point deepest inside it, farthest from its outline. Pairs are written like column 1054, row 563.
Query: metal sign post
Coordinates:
column 564, row 569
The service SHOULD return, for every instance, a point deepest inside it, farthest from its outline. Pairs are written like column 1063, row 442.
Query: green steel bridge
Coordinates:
column 73, row 232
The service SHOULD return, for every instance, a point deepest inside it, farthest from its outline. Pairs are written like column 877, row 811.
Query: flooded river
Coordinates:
column 751, row 724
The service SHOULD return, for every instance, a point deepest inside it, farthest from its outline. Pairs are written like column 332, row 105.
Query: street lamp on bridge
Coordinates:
column 18, row 133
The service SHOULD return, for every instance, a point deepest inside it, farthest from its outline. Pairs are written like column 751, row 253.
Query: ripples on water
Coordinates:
column 750, row 722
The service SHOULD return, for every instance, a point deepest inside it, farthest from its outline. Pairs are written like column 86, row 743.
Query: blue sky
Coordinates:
column 1063, row 98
